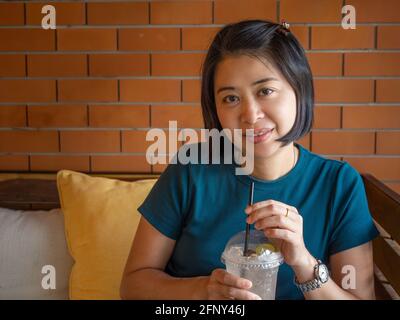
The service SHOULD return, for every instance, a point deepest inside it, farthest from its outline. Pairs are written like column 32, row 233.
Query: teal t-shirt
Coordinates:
column 201, row 206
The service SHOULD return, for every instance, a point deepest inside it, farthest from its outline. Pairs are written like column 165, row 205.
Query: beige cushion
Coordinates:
column 30, row 240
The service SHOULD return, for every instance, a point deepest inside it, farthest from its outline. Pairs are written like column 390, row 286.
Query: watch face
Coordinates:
column 323, row 273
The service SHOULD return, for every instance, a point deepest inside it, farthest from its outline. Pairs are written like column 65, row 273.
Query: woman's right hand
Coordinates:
column 222, row 285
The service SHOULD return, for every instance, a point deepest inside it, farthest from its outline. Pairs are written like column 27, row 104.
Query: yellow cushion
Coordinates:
column 101, row 218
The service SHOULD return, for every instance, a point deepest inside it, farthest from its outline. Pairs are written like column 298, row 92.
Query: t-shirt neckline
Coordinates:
column 267, row 184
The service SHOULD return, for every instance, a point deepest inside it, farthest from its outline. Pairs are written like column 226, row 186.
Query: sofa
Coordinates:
column 68, row 235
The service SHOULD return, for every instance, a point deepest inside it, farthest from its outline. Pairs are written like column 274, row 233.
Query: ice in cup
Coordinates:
column 260, row 267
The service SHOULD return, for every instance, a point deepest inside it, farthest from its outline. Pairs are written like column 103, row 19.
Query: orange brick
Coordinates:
column 371, row 117
column 226, row 11
column 118, row 116
column 120, row 164
column 191, row 90
column 67, row 13
column 186, row 116
column 301, row 33
column 388, row 143
column 326, row 117
column 305, row 141
column 59, row 162
column 381, row 168
column 149, row 39
column 57, row 116
column 27, row 40
column 372, row 64
column 197, row 38
column 28, row 141
column 309, row 11
column 159, row 168
column 88, row 90
column 90, row 141
column 350, row 142
column 12, row 65
column 388, row 37
column 12, row 116
column 325, row 64
column 387, row 90
column 11, row 14
column 118, row 13
column 57, row 65
column 150, row 90
column 181, row 12
column 86, row 39
column 114, row 65
column 135, row 141
column 177, row 64
column 27, row 90
column 335, row 37
column 374, row 11
column 14, row 163
column 343, row 90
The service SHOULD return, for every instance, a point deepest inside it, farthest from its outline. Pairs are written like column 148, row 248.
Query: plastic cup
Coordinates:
column 261, row 267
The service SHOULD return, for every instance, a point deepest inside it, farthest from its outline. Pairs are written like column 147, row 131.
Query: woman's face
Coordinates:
column 250, row 94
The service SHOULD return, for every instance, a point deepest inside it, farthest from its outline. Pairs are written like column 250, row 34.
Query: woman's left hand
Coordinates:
column 284, row 226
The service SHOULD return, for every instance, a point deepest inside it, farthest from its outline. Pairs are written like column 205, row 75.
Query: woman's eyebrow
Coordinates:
column 253, row 84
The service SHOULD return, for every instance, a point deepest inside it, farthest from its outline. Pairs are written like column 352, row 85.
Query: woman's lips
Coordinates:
column 260, row 138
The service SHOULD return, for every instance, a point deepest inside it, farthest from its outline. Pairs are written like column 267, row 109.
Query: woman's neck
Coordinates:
column 277, row 165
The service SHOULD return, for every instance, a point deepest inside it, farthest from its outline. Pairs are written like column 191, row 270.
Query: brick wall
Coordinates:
column 82, row 96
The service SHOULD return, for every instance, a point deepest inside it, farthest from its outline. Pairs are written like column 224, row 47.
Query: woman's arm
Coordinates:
column 284, row 225
column 360, row 273
column 144, row 276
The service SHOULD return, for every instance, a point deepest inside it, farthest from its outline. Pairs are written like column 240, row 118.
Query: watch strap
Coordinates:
column 312, row 284
column 309, row 285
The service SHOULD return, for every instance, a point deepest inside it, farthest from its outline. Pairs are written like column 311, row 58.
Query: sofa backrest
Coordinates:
column 32, row 191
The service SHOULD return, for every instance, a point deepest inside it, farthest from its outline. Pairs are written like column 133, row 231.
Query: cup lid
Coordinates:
column 265, row 254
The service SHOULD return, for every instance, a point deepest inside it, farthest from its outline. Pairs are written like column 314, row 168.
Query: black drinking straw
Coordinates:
column 246, row 251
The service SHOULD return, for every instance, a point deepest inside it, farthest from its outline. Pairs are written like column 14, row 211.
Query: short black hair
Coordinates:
column 270, row 41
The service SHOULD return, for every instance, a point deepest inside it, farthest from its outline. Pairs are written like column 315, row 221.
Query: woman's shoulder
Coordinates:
column 334, row 169
column 335, row 163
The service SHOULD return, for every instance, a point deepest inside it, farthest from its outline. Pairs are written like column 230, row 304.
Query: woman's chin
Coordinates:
column 264, row 150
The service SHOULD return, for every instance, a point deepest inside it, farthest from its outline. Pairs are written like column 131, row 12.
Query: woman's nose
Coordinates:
column 251, row 112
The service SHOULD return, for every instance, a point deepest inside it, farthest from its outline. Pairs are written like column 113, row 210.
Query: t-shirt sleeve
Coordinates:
column 352, row 221
column 166, row 204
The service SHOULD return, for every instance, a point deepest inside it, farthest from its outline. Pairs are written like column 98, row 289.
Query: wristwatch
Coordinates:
column 321, row 276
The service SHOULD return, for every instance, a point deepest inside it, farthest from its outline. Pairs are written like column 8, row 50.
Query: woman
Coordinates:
column 255, row 76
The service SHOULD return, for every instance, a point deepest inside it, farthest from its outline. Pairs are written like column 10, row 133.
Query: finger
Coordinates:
column 265, row 203
column 258, row 205
column 273, row 210
column 260, row 213
column 226, row 278
column 273, row 222
column 264, row 212
column 238, row 294
column 282, row 234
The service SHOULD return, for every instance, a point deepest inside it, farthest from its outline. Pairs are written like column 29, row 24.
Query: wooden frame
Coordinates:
column 39, row 191
column 384, row 205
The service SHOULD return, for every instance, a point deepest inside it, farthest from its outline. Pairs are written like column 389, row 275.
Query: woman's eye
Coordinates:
column 229, row 99
column 266, row 91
